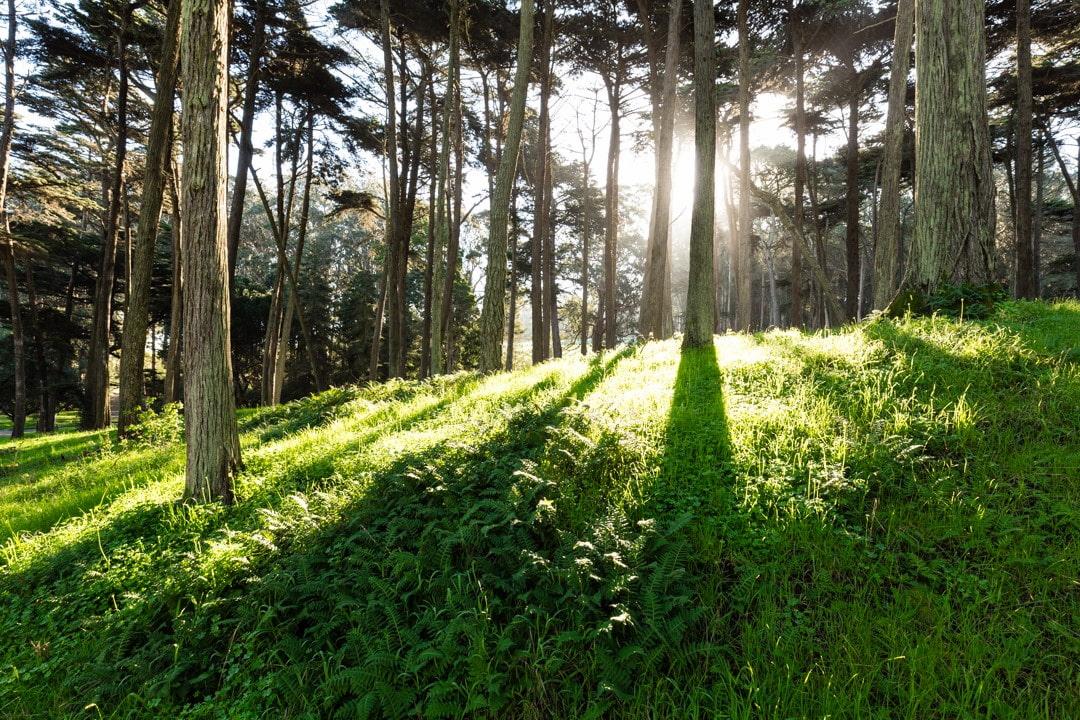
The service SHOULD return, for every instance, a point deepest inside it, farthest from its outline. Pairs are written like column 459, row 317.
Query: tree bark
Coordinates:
column 887, row 249
column 954, row 186
column 1037, row 222
column 743, row 251
column 392, row 306
column 653, row 298
column 433, row 219
column 700, row 321
column 611, row 202
column 1025, row 266
column 245, row 150
column 551, row 290
column 158, row 152
column 213, row 444
column 541, row 326
column 176, row 314
column 7, row 250
column 851, row 225
column 96, row 413
column 511, row 321
column 492, row 315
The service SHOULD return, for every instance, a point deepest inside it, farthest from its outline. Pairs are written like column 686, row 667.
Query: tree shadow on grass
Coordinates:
column 143, row 632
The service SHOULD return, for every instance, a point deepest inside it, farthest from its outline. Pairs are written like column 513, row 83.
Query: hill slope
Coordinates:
column 875, row 523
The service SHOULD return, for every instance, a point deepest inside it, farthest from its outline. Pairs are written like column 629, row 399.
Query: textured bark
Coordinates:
column 796, row 318
column 653, row 296
column 700, row 321
column 492, row 316
column 392, row 305
column 851, row 224
column 213, row 444
column 743, row 252
column 887, row 249
column 96, row 412
column 158, row 152
column 1025, row 265
column 7, row 249
column 954, row 186
column 245, row 150
column 443, row 215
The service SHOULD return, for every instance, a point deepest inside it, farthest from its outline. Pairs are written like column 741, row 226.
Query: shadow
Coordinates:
column 36, row 453
column 401, row 504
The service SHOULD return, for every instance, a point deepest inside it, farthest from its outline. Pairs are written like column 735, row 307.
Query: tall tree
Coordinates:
column 1025, row 265
column 700, row 321
column 654, row 297
column 796, row 318
column 7, row 249
column 96, row 412
column 492, row 315
column 541, row 324
column 954, row 185
column 887, row 251
column 136, row 313
column 743, row 253
column 213, row 443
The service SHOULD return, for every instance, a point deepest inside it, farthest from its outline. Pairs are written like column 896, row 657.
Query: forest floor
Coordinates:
column 878, row 522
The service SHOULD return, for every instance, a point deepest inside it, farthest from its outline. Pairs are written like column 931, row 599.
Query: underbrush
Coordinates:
column 878, row 522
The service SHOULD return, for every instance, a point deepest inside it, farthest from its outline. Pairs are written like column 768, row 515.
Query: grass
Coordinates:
column 880, row 522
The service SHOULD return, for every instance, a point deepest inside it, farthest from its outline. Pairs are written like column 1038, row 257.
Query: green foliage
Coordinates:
column 156, row 429
column 873, row 523
column 965, row 300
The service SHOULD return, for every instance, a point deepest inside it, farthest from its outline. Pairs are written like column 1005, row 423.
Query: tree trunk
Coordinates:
column 954, row 196
column 433, row 219
column 392, row 306
column 46, row 421
column 1025, row 265
column 158, row 152
column 213, row 444
column 8, row 248
column 96, row 412
column 452, row 251
column 541, row 326
column 699, row 296
column 653, row 299
column 245, row 150
column 743, row 251
column 492, row 315
column 443, row 215
column 551, row 290
column 851, row 226
column 176, row 315
column 511, row 321
column 1073, row 184
column 796, row 319
column 887, row 248
column 585, row 237
column 611, row 232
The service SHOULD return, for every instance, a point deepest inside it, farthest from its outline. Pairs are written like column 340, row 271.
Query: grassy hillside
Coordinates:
column 882, row 522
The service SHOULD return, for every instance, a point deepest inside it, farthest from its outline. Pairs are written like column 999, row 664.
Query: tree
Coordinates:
column 655, row 300
column 7, row 249
column 136, row 313
column 886, row 253
column 742, row 254
column 492, row 315
column 700, row 307
column 213, row 443
column 954, row 186
column 1025, row 264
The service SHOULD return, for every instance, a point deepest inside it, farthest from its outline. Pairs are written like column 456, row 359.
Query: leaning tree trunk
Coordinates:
column 245, row 150
column 653, row 298
column 743, row 253
column 8, row 248
column 96, row 412
column 492, row 316
column 887, row 250
column 1025, row 265
column 213, row 444
column 158, row 152
column 954, row 185
column 700, row 321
